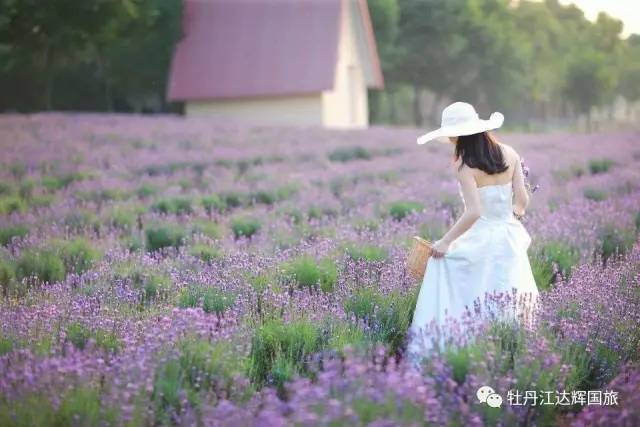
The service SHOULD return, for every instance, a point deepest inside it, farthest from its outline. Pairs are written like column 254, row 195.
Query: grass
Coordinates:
column 401, row 209
column 245, row 226
column 597, row 166
column 388, row 316
column 368, row 253
column 279, row 349
column 12, row 231
column 348, row 154
column 164, row 235
column 594, row 194
column 307, row 272
column 548, row 257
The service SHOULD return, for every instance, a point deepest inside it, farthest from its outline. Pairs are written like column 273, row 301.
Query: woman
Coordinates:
column 485, row 251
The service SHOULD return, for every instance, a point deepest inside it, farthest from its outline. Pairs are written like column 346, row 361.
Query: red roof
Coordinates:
column 240, row 48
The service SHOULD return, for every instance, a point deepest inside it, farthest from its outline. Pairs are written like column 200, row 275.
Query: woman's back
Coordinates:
column 513, row 174
column 510, row 156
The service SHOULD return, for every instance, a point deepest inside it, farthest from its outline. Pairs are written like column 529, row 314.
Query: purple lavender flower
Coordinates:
column 527, row 181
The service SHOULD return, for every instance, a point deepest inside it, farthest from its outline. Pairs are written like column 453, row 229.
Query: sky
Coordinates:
column 626, row 10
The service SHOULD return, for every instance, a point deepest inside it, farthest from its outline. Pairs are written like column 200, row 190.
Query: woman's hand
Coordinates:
column 518, row 213
column 439, row 248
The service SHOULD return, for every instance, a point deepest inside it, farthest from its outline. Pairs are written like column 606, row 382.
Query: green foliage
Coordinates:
column 542, row 272
column 166, row 391
column 80, row 406
column 154, row 286
column 308, row 273
column 614, row 241
column 202, row 367
column 279, row 349
column 80, row 220
column 574, row 171
column 43, row 264
column 41, row 200
column 293, row 214
column 78, row 255
column 345, row 333
column 263, row 196
column 600, row 165
column 245, row 226
column 7, row 276
column 509, row 339
column 550, row 254
column 205, row 252
column 212, row 300
column 366, row 224
column 589, row 80
column 316, row 212
column 11, row 231
column 12, row 204
column 127, row 36
column 431, row 231
column 6, row 188
column 368, row 253
column 347, row 154
column 595, row 194
column 459, row 359
column 213, row 203
column 147, row 190
column 6, row 345
column 125, row 216
column 132, row 243
column 208, row 228
column 26, row 189
column 165, row 235
column 55, row 183
column 217, row 301
column 174, row 205
column 588, row 369
column 232, row 199
column 107, row 340
column 78, row 334
column 286, row 191
column 399, row 210
column 269, row 197
column 388, row 316
column 95, row 53
column 18, row 169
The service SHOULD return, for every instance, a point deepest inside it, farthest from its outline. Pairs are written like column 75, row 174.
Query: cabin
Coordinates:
column 280, row 62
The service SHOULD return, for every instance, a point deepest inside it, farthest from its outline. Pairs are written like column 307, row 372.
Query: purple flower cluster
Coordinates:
column 98, row 326
column 527, row 181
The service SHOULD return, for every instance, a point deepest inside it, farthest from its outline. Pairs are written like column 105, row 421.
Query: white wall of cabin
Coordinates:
column 277, row 110
column 346, row 105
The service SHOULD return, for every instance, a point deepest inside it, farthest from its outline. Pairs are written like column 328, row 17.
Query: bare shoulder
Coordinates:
column 457, row 164
column 462, row 170
column 509, row 152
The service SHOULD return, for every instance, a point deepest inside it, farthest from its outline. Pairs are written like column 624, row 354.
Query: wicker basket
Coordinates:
column 418, row 257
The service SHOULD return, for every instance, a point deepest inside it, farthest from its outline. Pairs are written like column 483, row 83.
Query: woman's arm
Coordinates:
column 471, row 213
column 521, row 197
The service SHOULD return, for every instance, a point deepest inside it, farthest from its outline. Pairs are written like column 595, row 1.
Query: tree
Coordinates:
column 384, row 16
column 589, row 82
column 46, row 37
column 85, row 54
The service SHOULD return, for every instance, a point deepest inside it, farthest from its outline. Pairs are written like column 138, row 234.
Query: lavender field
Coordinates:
column 170, row 271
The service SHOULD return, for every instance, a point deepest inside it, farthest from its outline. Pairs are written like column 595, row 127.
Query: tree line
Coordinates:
column 92, row 55
column 534, row 59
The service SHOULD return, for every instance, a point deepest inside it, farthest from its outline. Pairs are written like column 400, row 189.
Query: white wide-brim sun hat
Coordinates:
column 461, row 118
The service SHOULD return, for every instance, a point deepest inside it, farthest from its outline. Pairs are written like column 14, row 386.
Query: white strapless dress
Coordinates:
column 491, row 256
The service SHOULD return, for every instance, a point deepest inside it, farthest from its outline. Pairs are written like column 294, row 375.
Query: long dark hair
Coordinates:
column 481, row 151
